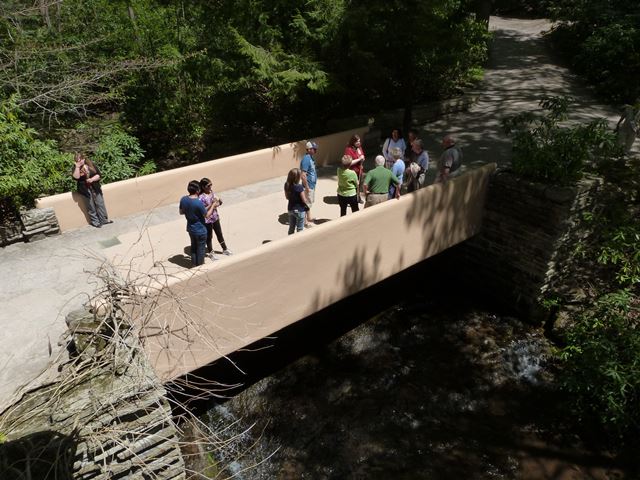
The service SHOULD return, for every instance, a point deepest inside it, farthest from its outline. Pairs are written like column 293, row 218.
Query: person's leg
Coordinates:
column 353, row 203
column 293, row 219
column 311, row 199
column 101, row 209
column 194, row 249
column 342, row 201
column 91, row 209
column 218, row 229
column 300, row 215
column 201, row 248
column 209, row 237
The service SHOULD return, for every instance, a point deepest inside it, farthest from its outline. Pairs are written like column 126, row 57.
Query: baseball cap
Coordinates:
column 312, row 145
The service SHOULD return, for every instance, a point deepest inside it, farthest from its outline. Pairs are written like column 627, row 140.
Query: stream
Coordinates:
column 434, row 387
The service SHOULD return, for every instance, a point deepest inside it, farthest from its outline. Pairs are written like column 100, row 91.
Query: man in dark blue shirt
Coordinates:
column 192, row 208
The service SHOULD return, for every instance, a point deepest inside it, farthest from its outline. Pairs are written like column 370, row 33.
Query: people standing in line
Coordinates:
column 195, row 212
column 309, row 178
column 87, row 176
column 450, row 161
column 416, row 170
column 394, row 141
column 398, row 171
column 348, row 184
column 627, row 127
column 377, row 183
column 356, row 153
column 212, row 218
column 297, row 207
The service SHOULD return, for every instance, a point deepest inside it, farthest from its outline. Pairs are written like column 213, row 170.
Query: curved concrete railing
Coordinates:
column 151, row 191
column 201, row 315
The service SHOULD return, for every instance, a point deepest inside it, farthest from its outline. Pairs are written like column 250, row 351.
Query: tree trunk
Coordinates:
column 483, row 10
column 44, row 11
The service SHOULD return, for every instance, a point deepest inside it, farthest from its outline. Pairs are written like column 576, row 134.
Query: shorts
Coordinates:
column 311, row 196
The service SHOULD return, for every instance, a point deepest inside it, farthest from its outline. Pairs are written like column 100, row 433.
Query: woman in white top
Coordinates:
column 394, row 141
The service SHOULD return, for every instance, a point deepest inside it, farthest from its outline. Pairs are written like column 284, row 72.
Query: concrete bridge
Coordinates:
column 191, row 317
column 272, row 280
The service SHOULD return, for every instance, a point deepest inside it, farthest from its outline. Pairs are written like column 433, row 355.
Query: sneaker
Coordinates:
column 227, row 252
column 212, row 256
column 107, row 222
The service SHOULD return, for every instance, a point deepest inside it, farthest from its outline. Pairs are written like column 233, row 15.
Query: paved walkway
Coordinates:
column 41, row 282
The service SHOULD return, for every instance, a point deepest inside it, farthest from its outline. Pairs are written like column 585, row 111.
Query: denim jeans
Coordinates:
column 96, row 208
column 296, row 220
column 198, row 248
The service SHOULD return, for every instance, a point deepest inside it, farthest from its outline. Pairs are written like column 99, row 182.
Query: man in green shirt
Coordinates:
column 377, row 183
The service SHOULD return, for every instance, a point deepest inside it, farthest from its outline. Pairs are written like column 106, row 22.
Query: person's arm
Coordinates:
column 304, row 168
column 385, row 147
column 76, row 172
column 396, row 182
column 305, row 184
column 303, row 197
column 95, row 177
column 355, row 181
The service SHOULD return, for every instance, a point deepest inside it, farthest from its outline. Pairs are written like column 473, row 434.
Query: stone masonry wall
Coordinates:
column 105, row 418
column 29, row 225
column 525, row 245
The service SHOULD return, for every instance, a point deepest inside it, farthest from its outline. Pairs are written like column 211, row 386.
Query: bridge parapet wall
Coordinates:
column 164, row 188
column 199, row 316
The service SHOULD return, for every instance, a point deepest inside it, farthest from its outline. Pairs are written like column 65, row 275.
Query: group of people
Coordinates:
column 401, row 167
column 200, row 207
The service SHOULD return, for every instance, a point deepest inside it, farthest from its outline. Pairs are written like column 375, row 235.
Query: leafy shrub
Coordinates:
column 602, row 365
column 29, row 167
column 546, row 150
column 119, row 156
column 601, row 39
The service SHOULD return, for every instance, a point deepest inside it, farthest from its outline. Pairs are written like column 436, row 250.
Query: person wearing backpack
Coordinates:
column 450, row 161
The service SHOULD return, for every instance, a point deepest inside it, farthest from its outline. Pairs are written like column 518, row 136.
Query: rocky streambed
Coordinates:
column 433, row 389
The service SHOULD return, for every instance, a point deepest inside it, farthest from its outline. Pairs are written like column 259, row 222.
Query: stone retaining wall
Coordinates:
column 106, row 417
column 525, row 246
column 28, row 226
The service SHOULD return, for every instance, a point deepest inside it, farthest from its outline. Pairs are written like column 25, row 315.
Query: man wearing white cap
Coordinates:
column 309, row 177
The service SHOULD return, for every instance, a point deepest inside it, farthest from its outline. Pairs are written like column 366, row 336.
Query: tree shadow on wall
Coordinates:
column 441, row 215
column 42, row 456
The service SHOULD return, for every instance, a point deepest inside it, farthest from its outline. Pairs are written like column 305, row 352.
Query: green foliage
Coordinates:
column 119, row 157
column 29, row 167
column 546, row 150
column 602, row 40
column 183, row 75
column 622, row 250
column 602, row 365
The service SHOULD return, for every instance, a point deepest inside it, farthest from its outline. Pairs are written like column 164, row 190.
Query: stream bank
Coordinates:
column 435, row 387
